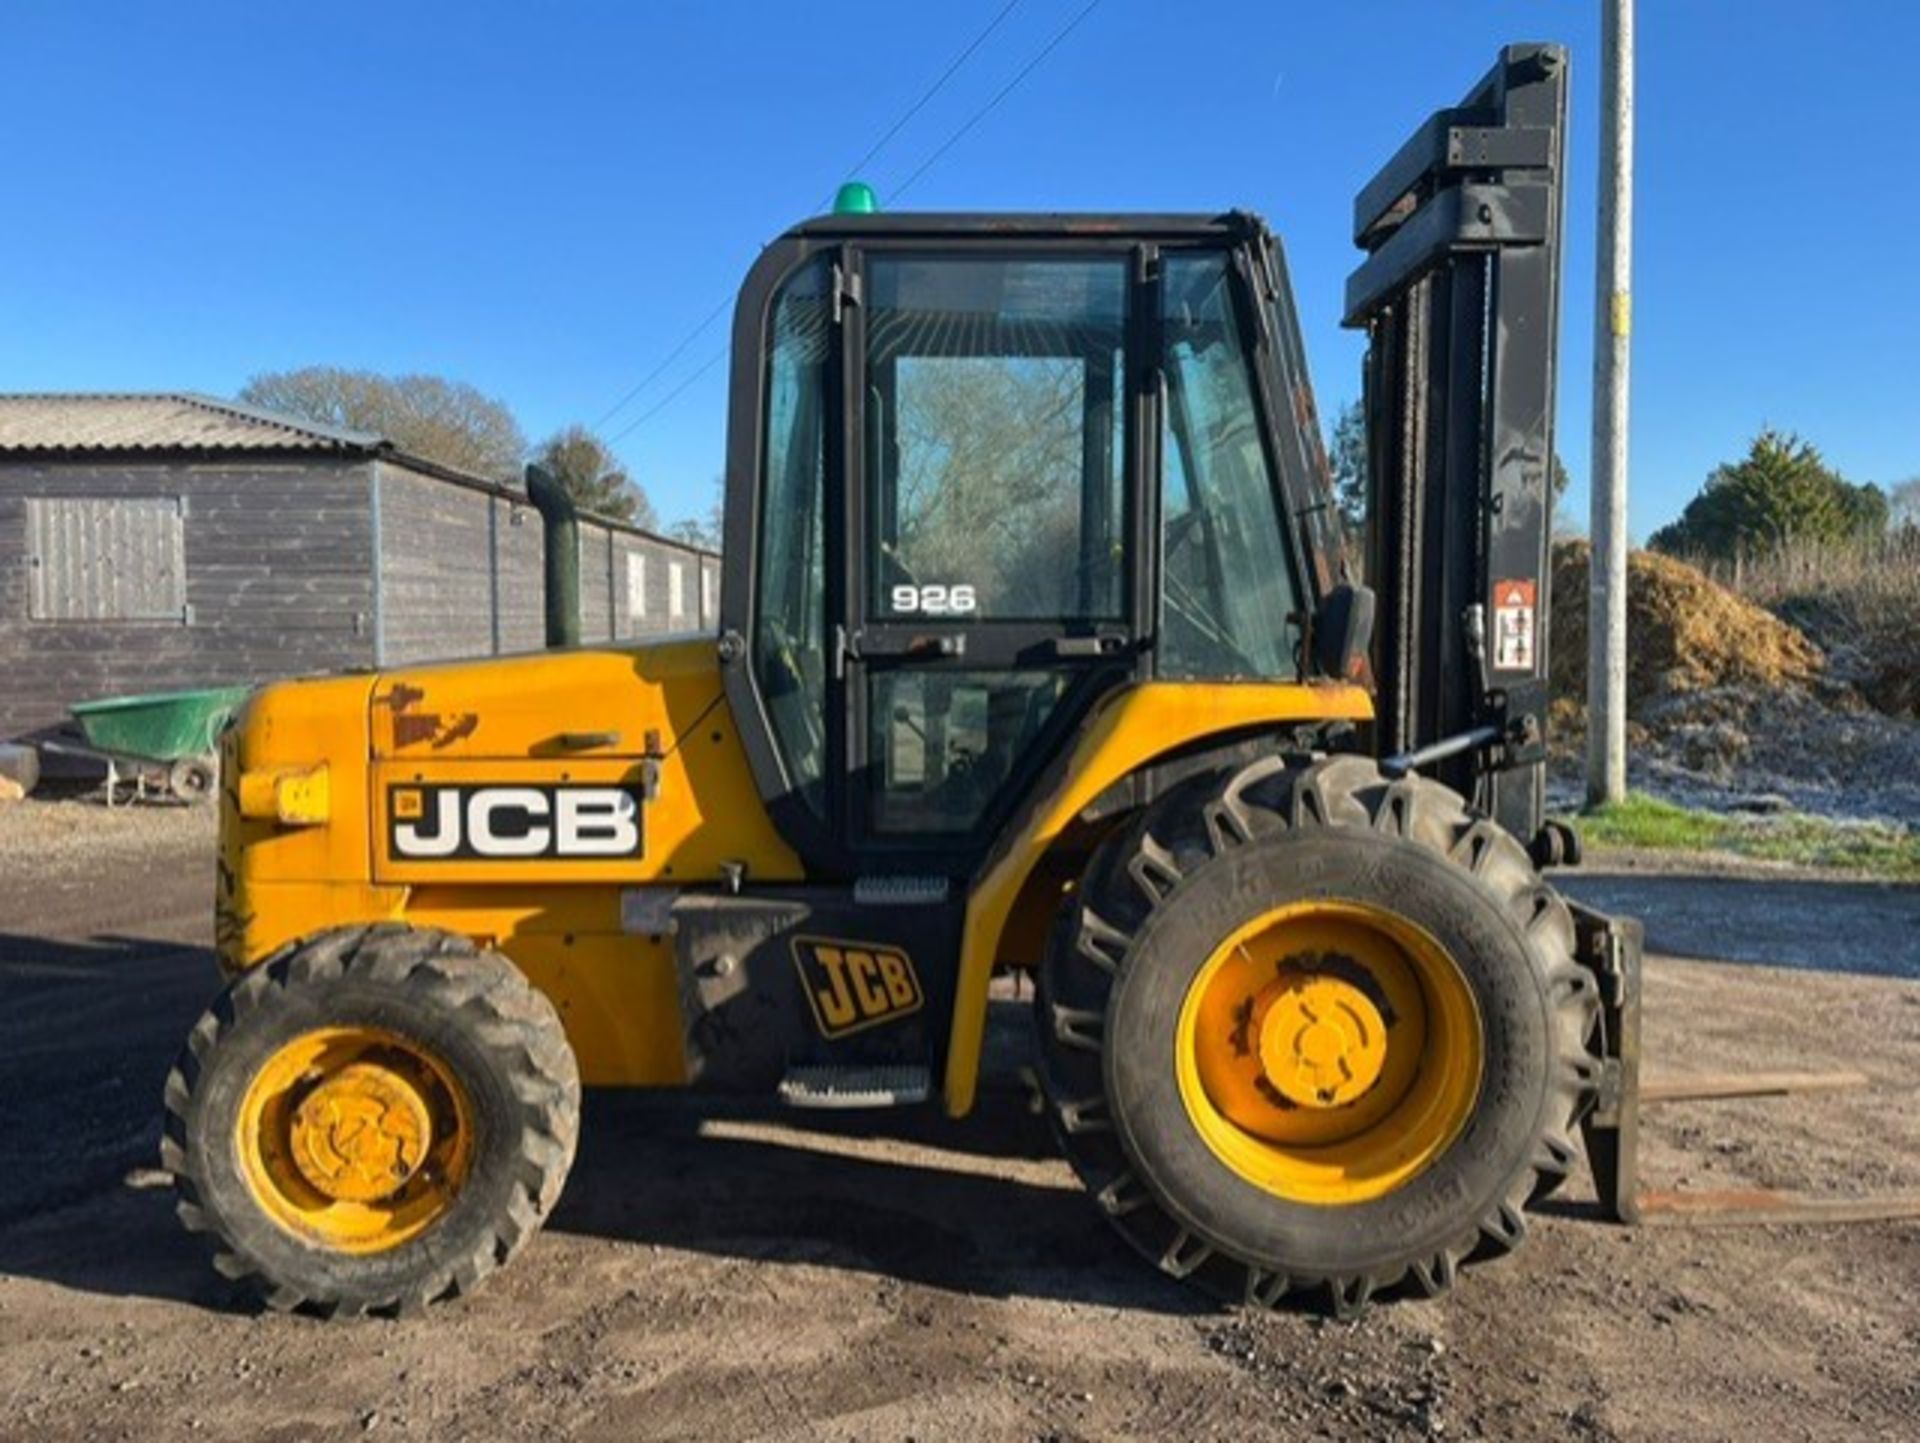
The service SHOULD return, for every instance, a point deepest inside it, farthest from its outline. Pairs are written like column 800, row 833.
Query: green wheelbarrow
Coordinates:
column 168, row 741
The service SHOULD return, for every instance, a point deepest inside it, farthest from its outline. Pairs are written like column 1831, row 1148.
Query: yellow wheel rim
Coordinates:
column 355, row 1138
column 1328, row 1052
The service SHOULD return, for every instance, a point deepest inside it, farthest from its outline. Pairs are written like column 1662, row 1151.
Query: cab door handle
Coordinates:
column 1103, row 644
column 926, row 646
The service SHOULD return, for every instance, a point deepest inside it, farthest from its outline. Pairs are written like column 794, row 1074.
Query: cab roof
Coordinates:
column 1145, row 225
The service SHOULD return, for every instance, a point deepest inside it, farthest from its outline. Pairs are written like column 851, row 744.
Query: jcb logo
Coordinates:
column 851, row 985
column 441, row 823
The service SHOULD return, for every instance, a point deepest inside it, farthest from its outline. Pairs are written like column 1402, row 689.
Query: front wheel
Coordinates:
column 374, row 1119
column 1307, row 1027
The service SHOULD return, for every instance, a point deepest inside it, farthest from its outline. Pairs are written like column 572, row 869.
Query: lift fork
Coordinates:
column 1611, row 948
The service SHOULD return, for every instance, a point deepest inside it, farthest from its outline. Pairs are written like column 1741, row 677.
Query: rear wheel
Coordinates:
column 1306, row 1027
column 373, row 1120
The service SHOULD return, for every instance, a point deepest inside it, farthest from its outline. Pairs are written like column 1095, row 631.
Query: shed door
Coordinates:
column 107, row 558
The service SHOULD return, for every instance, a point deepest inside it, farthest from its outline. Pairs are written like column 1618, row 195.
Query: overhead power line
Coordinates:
column 932, row 90
column 900, row 123
column 999, row 95
column 933, row 158
column 671, row 396
column 647, row 380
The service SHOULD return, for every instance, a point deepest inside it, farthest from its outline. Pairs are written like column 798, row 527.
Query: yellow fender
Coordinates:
column 1129, row 729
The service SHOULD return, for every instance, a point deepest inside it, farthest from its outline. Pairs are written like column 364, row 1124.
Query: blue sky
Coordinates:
column 544, row 200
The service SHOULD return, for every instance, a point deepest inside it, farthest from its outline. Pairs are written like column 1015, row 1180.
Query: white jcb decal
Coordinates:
column 934, row 600
column 435, row 823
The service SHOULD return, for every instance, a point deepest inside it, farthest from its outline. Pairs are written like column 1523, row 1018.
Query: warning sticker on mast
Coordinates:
column 1513, row 625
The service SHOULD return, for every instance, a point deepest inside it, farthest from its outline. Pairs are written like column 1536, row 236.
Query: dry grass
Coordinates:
column 1859, row 601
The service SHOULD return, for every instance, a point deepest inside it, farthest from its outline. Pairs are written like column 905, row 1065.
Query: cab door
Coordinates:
column 993, row 529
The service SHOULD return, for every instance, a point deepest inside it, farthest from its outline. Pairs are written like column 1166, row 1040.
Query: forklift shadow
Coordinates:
column 981, row 1205
column 727, row 1182
column 976, row 1206
column 967, row 1207
column 88, row 1030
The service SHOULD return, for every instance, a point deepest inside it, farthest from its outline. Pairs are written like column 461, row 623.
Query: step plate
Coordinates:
column 900, row 891
column 897, row 1085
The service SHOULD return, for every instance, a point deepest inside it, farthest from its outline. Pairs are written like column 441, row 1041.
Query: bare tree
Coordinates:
column 429, row 416
column 593, row 476
column 990, row 479
column 1347, row 456
column 705, row 531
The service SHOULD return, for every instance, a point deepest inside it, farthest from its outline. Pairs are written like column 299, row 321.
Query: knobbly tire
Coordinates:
column 469, row 1008
column 1165, row 891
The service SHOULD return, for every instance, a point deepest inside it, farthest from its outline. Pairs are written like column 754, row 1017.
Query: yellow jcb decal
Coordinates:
column 851, row 985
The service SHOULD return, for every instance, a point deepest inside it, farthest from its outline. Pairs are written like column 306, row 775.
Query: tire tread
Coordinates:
column 449, row 974
column 1201, row 819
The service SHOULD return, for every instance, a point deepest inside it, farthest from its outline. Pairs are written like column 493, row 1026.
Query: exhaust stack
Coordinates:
column 560, row 555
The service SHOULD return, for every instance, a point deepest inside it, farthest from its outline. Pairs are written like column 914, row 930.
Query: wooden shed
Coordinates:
column 156, row 542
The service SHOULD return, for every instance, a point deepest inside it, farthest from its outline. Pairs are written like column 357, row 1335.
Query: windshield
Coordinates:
column 995, row 449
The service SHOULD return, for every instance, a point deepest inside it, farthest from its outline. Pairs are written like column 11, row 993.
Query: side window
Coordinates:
column 1229, row 596
column 636, row 591
column 994, row 459
column 789, row 627
column 676, row 590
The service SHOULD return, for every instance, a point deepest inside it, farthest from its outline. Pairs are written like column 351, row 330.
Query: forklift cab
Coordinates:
column 983, row 469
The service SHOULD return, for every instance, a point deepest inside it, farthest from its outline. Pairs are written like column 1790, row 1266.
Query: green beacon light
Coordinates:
column 856, row 197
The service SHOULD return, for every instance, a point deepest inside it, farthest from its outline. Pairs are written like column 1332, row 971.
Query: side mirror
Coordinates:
column 1343, row 632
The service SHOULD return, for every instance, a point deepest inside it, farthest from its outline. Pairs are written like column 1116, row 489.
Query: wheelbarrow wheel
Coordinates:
column 194, row 779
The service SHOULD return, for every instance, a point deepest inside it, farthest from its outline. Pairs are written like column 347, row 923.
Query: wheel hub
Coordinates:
column 362, row 1134
column 1323, row 1042
column 1328, row 1050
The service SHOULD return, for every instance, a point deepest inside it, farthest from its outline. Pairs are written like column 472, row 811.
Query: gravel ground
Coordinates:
column 729, row 1273
column 56, row 840
column 1728, row 748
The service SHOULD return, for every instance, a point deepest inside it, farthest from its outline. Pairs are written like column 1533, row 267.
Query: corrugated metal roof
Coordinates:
column 83, row 422
column 168, row 421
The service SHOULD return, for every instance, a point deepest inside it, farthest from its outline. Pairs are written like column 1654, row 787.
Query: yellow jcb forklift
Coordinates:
column 1039, row 651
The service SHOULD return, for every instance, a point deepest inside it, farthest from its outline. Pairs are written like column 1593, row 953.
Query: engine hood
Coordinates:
column 588, row 701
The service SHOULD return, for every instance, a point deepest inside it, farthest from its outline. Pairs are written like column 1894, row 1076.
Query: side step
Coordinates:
column 823, row 1085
